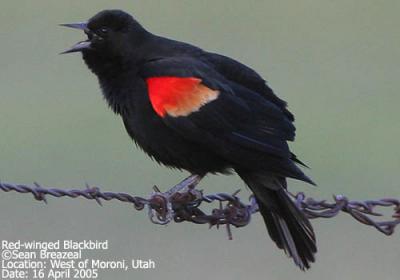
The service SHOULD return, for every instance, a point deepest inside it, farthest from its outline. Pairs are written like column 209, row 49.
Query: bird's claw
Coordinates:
column 160, row 204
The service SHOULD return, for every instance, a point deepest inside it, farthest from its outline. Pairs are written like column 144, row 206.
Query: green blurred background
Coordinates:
column 335, row 62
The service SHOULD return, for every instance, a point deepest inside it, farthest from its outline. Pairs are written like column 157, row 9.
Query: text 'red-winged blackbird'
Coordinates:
column 202, row 112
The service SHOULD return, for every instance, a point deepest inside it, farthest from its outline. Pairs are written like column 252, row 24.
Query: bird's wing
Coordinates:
column 239, row 73
column 203, row 106
column 247, row 77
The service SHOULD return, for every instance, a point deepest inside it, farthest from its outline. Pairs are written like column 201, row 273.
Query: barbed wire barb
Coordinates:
column 182, row 203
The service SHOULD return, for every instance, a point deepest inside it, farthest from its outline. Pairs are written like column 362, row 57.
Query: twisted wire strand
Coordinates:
column 185, row 205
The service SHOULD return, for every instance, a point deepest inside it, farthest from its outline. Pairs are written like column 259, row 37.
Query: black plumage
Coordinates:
column 230, row 119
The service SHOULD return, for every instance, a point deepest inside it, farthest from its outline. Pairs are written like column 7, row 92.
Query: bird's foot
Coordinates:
column 160, row 207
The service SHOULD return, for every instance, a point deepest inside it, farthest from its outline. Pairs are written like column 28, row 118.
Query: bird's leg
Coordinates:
column 189, row 182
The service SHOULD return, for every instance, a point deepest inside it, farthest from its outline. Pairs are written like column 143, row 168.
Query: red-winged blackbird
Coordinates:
column 202, row 112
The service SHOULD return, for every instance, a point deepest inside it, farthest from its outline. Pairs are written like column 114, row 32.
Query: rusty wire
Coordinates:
column 185, row 205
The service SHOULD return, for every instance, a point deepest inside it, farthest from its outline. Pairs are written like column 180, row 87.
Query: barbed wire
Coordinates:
column 184, row 205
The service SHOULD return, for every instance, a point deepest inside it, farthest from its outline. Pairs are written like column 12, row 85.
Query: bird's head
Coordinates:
column 111, row 34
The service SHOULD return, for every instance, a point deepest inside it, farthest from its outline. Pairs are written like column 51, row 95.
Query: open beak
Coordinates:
column 80, row 46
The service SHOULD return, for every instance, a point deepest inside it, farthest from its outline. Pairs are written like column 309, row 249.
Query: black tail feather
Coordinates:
column 287, row 225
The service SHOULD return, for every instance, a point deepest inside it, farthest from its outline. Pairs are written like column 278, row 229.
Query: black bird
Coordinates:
column 203, row 112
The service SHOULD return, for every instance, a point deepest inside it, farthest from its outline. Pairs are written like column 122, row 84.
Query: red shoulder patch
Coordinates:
column 178, row 96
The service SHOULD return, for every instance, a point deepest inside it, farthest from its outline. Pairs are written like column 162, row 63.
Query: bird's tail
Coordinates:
column 286, row 224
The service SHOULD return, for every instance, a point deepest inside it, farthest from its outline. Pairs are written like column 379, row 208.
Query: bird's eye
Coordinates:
column 103, row 30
